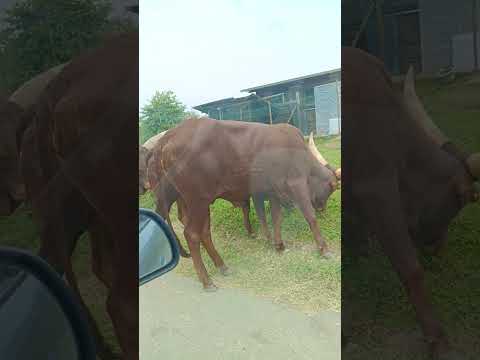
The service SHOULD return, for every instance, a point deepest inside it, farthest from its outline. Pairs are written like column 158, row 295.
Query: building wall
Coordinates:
column 304, row 114
column 257, row 110
column 439, row 21
column 352, row 17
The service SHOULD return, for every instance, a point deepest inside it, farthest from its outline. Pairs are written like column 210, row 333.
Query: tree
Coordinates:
column 164, row 111
column 40, row 34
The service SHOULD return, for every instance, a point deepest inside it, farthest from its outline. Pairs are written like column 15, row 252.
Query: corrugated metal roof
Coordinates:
column 230, row 100
column 291, row 80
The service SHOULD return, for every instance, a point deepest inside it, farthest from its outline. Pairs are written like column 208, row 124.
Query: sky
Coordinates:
column 211, row 49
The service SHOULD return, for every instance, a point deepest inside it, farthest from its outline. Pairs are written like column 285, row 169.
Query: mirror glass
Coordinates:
column 34, row 325
column 155, row 250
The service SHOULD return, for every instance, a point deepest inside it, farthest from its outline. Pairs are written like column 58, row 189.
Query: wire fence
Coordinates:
column 316, row 110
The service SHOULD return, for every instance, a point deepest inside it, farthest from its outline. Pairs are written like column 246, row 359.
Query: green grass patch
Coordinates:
column 299, row 277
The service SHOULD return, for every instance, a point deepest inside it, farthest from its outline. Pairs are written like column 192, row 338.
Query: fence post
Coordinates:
column 338, row 106
column 475, row 33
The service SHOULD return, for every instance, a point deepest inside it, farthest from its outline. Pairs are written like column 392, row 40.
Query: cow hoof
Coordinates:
column 210, row 288
column 225, row 270
column 280, row 248
column 327, row 254
column 185, row 254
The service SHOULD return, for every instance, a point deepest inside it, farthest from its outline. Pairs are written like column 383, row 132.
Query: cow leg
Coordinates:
column 260, row 210
column 181, row 216
column 180, row 211
column 61, row 262
column 246, row 218
column 212, row 252
column 277, row 222
column 385, row 215
column 197, row 216
column 58, row 241
column 122, row 302
column 165, row 196
column 301, row 195
column 101, row 245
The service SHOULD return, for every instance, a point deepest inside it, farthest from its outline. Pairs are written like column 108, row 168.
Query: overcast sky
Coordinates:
column 211, row 49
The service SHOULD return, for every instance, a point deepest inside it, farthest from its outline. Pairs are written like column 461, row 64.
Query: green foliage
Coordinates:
column 40, row 34
column 162, row 112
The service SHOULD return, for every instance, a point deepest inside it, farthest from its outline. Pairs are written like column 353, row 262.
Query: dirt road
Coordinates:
column 180, row 321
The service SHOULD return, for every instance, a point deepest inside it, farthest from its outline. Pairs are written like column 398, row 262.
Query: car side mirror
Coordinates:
column 40, row 316
column 158, row 250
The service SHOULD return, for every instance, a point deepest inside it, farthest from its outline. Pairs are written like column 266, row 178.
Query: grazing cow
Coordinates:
column 258, row 199
column 204, row 159
column 84, row 135
column 404, row 180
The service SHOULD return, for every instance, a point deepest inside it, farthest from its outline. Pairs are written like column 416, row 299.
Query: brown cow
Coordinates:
column 258, row 199
column 147, row 179
column 15, row 117
column 404, row 181
column 204, row 159
column 84, row 135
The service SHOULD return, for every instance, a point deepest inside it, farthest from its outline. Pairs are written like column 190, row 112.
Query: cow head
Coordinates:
column 143, row 184
column 444, row 200
column 324, row 179
column 12, row 189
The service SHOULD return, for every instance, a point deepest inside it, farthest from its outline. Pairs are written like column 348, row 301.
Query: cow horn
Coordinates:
column 473, row 163
column 315, row 152
column 338, row 173
column 417, row 111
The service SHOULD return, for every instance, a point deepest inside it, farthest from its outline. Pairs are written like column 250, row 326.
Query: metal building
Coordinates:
column 429, row 34
column 311, row 103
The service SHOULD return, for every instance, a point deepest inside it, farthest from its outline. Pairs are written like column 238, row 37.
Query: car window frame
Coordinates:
column 58, row 288
column 171, row 239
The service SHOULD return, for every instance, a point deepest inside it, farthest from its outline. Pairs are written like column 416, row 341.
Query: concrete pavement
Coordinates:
column 178, row 320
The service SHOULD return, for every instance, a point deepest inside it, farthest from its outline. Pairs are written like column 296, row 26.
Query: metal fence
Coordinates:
column 318, row 110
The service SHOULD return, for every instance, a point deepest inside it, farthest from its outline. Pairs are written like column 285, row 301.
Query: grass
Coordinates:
column 382, row 317
column 299, row 277
column 18, row 230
